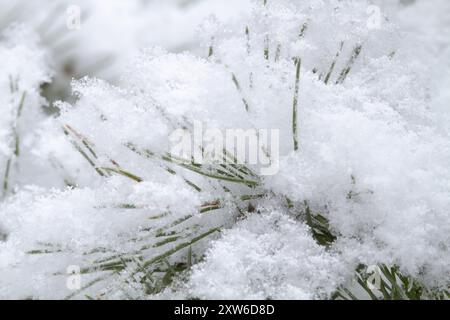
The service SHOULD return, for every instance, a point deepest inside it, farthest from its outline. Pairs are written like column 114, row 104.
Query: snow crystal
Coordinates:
column 267, row 256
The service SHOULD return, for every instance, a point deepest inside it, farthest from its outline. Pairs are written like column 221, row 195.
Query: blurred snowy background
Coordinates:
column 112, row 31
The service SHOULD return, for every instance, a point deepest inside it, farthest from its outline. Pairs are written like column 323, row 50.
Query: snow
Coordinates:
column 267, row 256
column 93, row 181
column 25, row 68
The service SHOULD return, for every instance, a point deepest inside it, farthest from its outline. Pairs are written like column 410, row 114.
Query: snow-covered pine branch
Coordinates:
column 362, row 181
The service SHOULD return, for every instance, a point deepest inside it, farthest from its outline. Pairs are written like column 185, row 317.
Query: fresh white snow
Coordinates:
column 92, row 186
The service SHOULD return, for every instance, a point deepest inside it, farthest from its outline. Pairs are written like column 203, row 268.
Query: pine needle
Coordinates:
column 344, row 73
column 298, row 63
